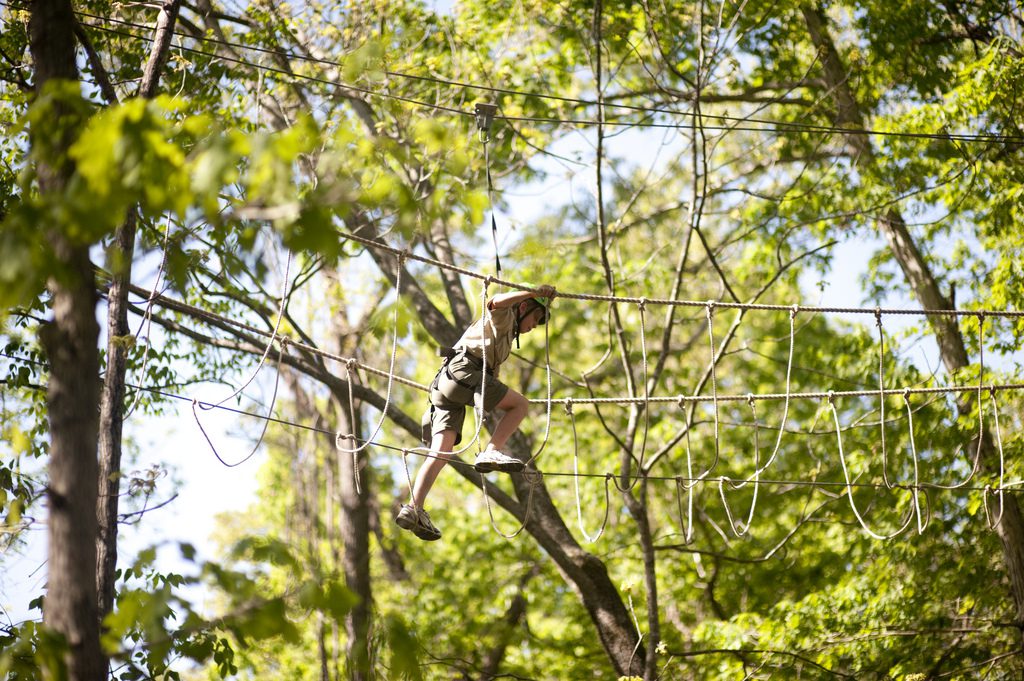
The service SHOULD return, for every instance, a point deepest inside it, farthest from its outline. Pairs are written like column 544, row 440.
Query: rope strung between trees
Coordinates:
column 676, row 479
column 727, row 122
column 646, row 400
column 738, row 528
column 192, row 310
column 372, row 243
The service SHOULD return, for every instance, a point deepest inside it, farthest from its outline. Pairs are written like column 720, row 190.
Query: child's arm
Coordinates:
column 503, row 300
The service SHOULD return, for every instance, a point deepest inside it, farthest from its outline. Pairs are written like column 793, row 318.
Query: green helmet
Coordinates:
column 535, row 303
column 540, row 303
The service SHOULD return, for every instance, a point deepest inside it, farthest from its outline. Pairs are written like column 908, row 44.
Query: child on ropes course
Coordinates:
column 487, row 342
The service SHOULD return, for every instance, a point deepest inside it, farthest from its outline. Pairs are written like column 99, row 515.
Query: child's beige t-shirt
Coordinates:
column 493, row 338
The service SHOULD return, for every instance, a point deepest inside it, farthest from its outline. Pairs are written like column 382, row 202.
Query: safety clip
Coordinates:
column 484, row 119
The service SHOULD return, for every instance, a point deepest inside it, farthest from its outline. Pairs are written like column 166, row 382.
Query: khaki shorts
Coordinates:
column 456, row 386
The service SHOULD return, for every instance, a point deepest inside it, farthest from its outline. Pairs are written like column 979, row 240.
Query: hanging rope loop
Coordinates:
column 408, row 475
column 534, row 483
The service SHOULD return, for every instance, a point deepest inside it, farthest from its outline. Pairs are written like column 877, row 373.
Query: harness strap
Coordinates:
column 455, row 354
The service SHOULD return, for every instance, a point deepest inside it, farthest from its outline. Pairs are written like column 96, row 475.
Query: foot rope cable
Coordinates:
column 666, row 478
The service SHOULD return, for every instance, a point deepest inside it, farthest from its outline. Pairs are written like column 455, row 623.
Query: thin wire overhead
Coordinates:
column 737, row 123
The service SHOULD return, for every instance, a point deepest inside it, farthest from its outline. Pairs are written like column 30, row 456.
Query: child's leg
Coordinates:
column 441, row 446
column 515, row 407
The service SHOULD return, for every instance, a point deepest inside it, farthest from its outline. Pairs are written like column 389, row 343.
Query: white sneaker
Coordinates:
column 494, row 460
column 418, row 522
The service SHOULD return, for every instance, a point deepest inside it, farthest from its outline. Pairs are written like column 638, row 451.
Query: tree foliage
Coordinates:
column 728, row 153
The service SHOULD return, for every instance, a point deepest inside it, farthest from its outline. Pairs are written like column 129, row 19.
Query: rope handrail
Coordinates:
column 643, row 300
column 679, row 399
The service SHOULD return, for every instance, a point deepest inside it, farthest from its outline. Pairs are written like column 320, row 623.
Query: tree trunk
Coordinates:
column 70, row 341
column 112, row 422
column 354, row 529
column 585, row 572
column 112, row 399
column 952, row 348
